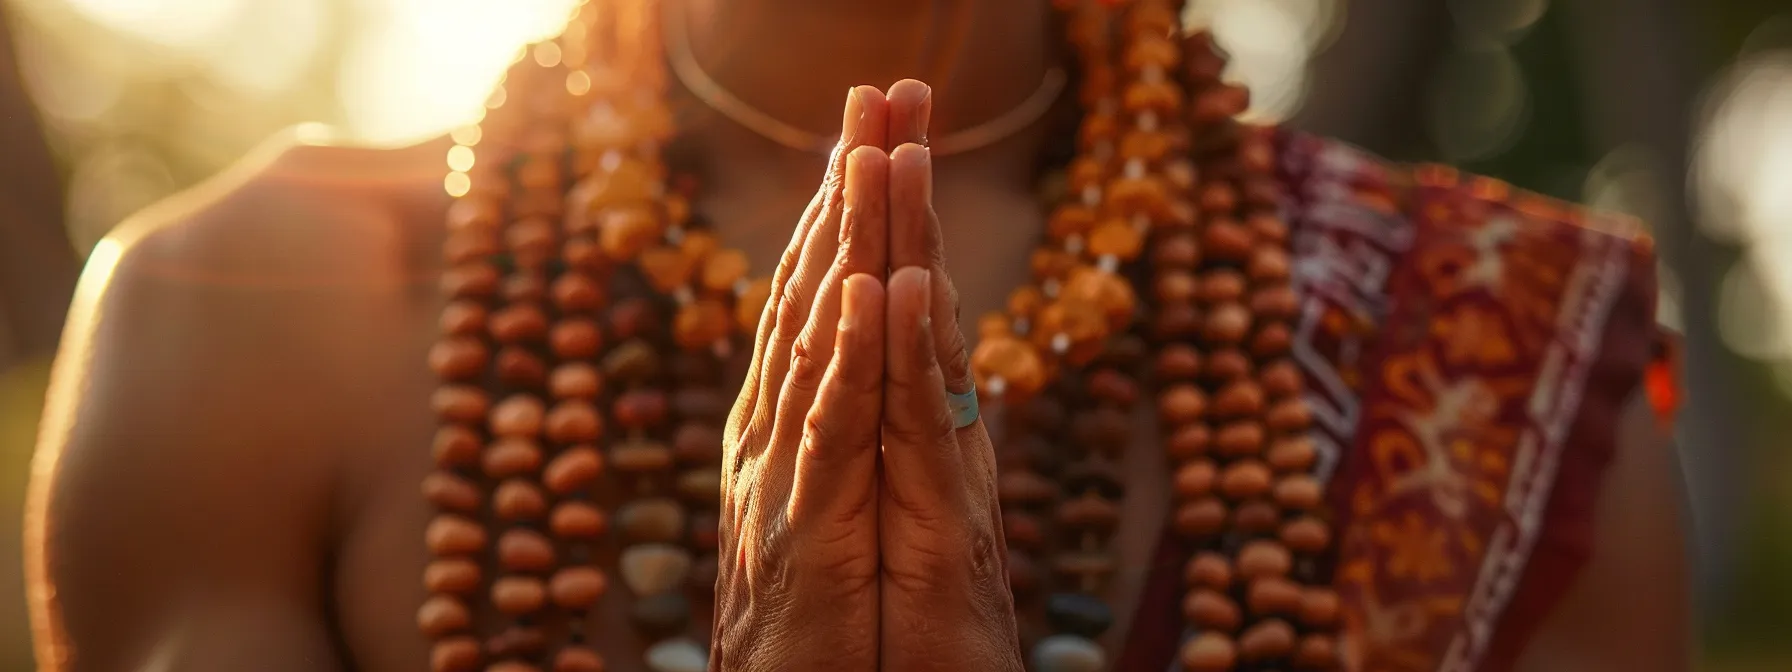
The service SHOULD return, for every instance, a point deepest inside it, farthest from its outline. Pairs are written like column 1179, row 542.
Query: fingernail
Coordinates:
column 923, row 118
column 926, row 321
column 855, row 113
column 849, row 306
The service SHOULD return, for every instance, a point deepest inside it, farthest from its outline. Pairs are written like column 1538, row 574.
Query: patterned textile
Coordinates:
column 1469, row 349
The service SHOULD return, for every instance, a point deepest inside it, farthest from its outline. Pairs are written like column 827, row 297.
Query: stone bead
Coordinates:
column 1202, row 517
column 1025, row 488
column 576, row 338
column 575, row 292
column 1261, row 558
column 1299, row 492
column 700, row 324
column 574, row 421
column 450, row 492
column 701, row 486
column 519, row 499
column 1211, row 609
column 1208, row 652
column 577, row 588
column 651, row 569
column 1266, row 640
column 1315, row 652
column 1244, row 479
column 518, row 595
column 1195, row 479
column 477, row 280
column 578, row 520
column 640, row 409
column 631, row 361
column 1293, row 454
column 677, row 655
column 1079, row 614
column 455, row 576
column 1023, row 530
column 450, row 534
column 1280, row 302
column 456, row 445
column 1089, row 512
column 1256, row 517
column 1226, row 240
column 1188, row 442
column 660, row 615
column 460, row 403
column 516, row 641
column 641, row 457
column 1273, row 595
column 519, row 368
column 511, row 457
column 1012, row 360
column 574, row 469
column 519, row 324
column 443, row 614
column 1068, row 653
column 455, row 654
column 1208, row 569
column 518, row 416
column 524, row 550
column 751, row 303
column 577, row 658
column 1227, row 323
column 1306, row 535
column 1177, row 362
column 1181, row 404
column 1319, row 607
column 458, row 358
column 651, row 520
column 697, row 444
column 702, row 405
column 1240, row 439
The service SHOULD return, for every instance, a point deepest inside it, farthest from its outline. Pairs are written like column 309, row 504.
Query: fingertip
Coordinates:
column 859, row 307
column 911, row 155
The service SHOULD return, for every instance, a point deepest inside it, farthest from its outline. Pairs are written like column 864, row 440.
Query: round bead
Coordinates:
column 1260, row 558
column 1221, row 286
column 457, row 576
column 1281, row 379
column 641, row 409
column 575, row 292
column 1068, row 653
column 651, row 569
column 1306, row 535
column 651, row 520
column 1316, row 652
column 441, row 615
column 1079, row 614
column 1319, row 607
column 520, row 368
column 1012, row 360
column 576, row 658
column 455, row 654
column 1021, row 487
column 478, row 280
column 1292, row 454
column 1211, row 609
column 677, row 655
column 660, row 615
column 1195, row 479
column 521, row 323
column 460, row 403
column 1273, row 595
column 1227, row 323
column 1240, row 438
column 1272, row 340
column 511, row 666
column 697, row 444
column 1189, row 441
column 632, row 361
column 641, row 457
column 722, row 269
column 518, row 416
column 1289, row 416
column 1201, row 517
column 1228, row 364
column 573, row 470
column 1256, row 517
column 577, row 588
column 1226, row 240
column 450, row 492
column 1209, row 652
column 518, row 595
column 1112, row 386
column 578, row 520
column 1268, row 264
column 449, row 534
column 458, row 358
column 519, row 499
column 1299, row 492
column 701, row 324
column 523, row 550
column 463, row 318
column 1275, row 303
column 1268, row 639
column 575, row 380
column 1181, row 404
column 751, row 303
column 512, row 457
column 1208, row 569
column 1244, row 479
column 1179, row 251
column 517, row 640
column 574, row 421
column 701, row 486
column 456, row 446
column 576, row 338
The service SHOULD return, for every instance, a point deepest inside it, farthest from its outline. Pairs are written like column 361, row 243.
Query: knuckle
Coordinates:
column 910, row 432
column 805, row 371
column 790, row 310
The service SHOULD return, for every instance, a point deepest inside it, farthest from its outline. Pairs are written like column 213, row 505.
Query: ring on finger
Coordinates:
column 963, row 407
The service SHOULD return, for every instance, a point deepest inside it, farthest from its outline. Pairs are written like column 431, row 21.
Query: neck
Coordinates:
column 794, row 59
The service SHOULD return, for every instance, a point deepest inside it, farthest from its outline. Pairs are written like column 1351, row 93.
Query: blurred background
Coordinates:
column 1678, row 112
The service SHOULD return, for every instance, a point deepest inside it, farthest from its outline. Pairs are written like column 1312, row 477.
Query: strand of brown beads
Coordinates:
column 1244, row 458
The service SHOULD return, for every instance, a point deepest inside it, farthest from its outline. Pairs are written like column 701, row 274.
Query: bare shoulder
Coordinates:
column 182, row 465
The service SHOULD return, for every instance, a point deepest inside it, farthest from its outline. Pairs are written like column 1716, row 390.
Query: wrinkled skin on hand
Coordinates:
column 860, row 529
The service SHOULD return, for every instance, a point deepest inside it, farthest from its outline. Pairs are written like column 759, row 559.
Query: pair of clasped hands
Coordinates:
column 860, row 527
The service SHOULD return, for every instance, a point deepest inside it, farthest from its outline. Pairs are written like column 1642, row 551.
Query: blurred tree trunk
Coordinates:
column 37, row 265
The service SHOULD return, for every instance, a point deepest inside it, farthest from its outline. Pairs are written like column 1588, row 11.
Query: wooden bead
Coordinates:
column 578, row 520
column 1268, row 264
column 451, row 492
column 1208, row 569
column 442, row 615
column 574, row 421
column 1306, row 535
column 578, row 588
column 1272, row 340
column 1239, row 439
column 512, row 457
column 477, row 280
column 526, row 285
column 525, row 550
column 1266, row 640
column 1226, row 323
column 1210, row 609
column 455, row 654
column 512, row 666
column 1319, row 607
column 460, row 358
column 460, row 403
column 577, row 658
column 1189, row 441
column 1289, row 416
column 517, row 641
column 519, row 324
column 1113, row 387
column 1256, row 517
column 1273, row 595
column 1292, row 454
column 631, row 362
column 1240, row 398
column 575, row 380
column 518, row 595
column 1279, row 302
column 1178, row 362
column 518, row 416
column 634, row 318
column 1195, row 479
column 518, row 367
column 1209, row 652
column 1175, row 287
column 1202, row 517
column 1226, row 365
column 1315, row 652
column 463, row 318
column 697, row 444
column 641, row 409
column 454, row 576
column 1281, row 379
column 701, row 324
column 1089, row 512
column 1177, row 252
column 1226, row 240
column 1260, row 558
column 750, row 304
column 1181, row 404
column 518, row 499
column 575, row 293
column 455, row 446
column 449, row 534
column 574, row 469
column 641, row 457
column 1221, row 286
column 1025, row 488
column 1299, row 492
column 1244, row 479
column 1175, row 321
column 576, row 338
